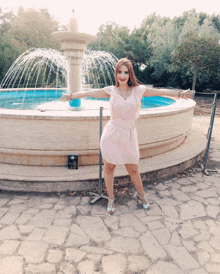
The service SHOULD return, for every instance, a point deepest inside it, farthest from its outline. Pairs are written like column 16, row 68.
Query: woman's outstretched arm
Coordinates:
column 96, row 93
column 185, row 94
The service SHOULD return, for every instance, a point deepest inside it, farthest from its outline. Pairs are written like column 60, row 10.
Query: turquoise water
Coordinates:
column 32, row 98
column 28, row 99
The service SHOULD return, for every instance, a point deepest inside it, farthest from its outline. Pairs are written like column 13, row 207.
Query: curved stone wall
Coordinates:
column 41, row 138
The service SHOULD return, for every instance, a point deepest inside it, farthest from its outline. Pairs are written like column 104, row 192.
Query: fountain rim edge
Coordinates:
column 178, row 106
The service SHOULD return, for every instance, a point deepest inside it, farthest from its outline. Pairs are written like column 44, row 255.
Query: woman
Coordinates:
column 119, row 142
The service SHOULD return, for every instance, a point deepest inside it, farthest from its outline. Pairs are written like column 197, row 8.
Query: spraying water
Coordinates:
column 37, row 68
column 40, row 75
column 37, row 79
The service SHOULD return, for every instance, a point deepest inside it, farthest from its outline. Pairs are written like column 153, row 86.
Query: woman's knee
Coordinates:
column 109, row 168
column 132, row 169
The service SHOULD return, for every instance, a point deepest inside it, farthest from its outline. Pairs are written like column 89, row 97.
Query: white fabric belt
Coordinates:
column 123, row 125
column 126, row 124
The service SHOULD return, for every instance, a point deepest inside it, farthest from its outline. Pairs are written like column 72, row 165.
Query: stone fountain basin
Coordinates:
column 46, row 138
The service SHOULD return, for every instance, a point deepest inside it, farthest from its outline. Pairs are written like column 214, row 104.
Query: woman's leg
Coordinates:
column 136, row 179
column 109, row 182
column 109, row 178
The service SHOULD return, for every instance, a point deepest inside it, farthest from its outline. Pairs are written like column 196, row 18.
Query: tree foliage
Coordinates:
column 8, row 51
column 165, row 36
column 33, row 28
column 122, row 42
column 6, row 20
column 198, row 54
column 18, row 33
column 153, row 48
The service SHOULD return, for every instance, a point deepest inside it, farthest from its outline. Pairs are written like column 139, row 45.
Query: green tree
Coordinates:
column 137, row 48
column 111, row 38
column 32, row 28
column 122, row 42
column 6, row 19
column 162, row 37
column 216, row 22
column 8, row 51
column 198, row 54
column 28, row 29
column 163, row 41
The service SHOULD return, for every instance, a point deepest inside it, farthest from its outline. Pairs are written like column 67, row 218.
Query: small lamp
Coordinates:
column 73, row 161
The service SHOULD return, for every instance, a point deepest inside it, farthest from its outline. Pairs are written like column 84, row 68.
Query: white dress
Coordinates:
column 119, row 141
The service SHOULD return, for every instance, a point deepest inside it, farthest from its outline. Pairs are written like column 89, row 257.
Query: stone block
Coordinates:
column 120, row 244
column 54, row 256
column 94, row 228
column 56, row 235
column 9, row 247
column 151, row 247
column 45, row 268
column 114, row 264
column 138, row 263
column 74, row 255
column 164, row 268
column 182, row 257
column 33, row 252
column 9, row 233
column 12, row 265
column 191, row 210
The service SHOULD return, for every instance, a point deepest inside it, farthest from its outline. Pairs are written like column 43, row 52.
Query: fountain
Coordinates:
column 40, row 139
column 40, row 76
column 73, row 44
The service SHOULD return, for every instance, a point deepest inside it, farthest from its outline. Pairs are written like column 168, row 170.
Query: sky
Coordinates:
column 91, row 14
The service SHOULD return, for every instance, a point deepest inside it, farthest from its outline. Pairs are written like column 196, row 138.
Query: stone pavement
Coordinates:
column 64, row 234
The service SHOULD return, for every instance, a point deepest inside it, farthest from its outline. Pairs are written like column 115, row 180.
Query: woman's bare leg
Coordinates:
column 109, row 182
column 109, row 178
column 136, row 179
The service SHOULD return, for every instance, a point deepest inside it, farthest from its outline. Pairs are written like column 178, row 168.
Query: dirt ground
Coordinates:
column 204, row 105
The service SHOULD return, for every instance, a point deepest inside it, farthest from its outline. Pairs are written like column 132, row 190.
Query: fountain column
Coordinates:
column 73, row 43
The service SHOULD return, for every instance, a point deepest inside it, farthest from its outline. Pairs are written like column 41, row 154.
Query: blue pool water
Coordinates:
column 32, row 98
column 27, row 99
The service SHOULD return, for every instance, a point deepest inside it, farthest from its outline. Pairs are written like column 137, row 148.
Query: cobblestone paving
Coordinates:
column 65, row 234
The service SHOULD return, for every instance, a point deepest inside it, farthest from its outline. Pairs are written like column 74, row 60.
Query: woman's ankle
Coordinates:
column 142, row 198
column 110, row 196
column 141, row 193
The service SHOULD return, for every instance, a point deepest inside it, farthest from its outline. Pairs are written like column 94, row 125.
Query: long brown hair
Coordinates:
column 132, row 82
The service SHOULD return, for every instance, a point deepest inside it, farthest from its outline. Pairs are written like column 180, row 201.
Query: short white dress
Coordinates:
column 119, row 140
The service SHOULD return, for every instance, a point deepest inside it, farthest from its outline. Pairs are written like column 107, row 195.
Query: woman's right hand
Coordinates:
column 65, row 97
column 96, row 93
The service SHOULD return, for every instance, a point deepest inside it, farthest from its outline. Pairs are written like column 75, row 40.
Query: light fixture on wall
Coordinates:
column 73, row 161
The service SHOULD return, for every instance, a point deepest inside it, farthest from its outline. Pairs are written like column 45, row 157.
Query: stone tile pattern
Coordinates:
column 65, row 234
